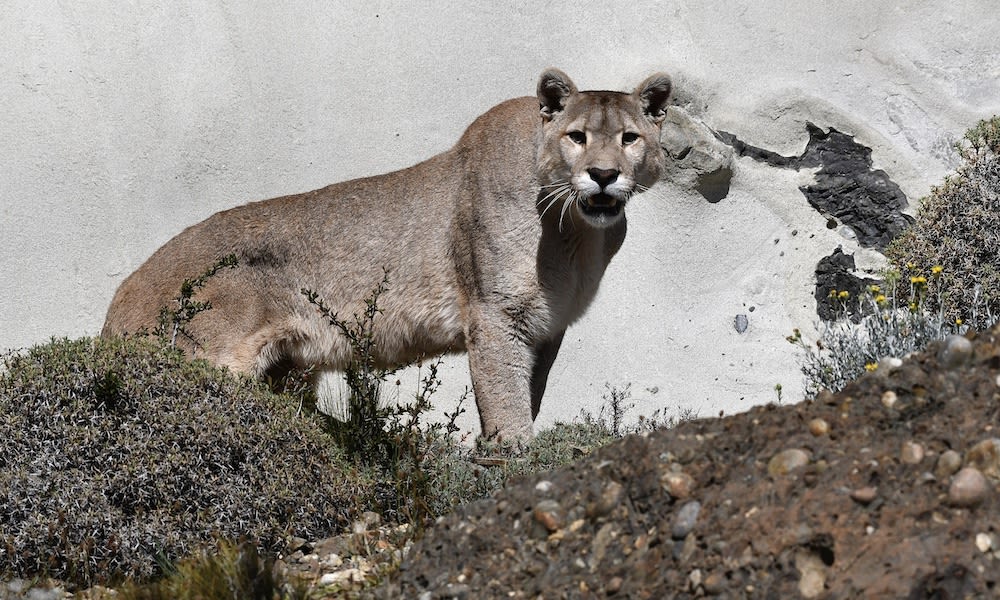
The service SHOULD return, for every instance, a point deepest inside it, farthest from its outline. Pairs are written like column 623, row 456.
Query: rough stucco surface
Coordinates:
column 123, row 124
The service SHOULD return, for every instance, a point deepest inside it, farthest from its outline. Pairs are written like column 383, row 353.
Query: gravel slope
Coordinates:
column 887, row 489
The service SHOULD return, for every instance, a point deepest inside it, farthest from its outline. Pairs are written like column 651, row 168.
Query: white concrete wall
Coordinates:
column 121, row 123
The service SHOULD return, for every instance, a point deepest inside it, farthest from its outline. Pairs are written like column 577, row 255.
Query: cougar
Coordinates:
column 493, row 247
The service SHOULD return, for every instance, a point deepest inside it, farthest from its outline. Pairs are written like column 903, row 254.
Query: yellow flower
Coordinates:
column 958, row 321
column 833, row 293
column 936, row 270
column 844, row 295
column 880, row 299
column 874, row 289
column 918, row 280
column 871, row 367
column 911, row 266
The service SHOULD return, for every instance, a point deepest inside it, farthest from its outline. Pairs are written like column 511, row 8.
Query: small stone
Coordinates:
column 331, row 561
column 296, row 543
column 548, row 513
column 968, row 488
column 984, row 542
column 812, row 571
column 611, row 495
column 714, row 584
column 614, row 584
column 985, row 456
column 955, row 352
column 819, row 427
column 740, row 323
column 889, row 363
column 544, row 486
column 347, row 575
column 864, row 495
column 787, row 461
column 677, row 483
column 912, row 453
column 948, row 464
column 889, row 399
column 685, row 520
column 694, row 578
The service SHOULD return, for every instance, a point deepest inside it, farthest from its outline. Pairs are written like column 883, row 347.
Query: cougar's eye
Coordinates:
column 629, row 138
column 578, row 137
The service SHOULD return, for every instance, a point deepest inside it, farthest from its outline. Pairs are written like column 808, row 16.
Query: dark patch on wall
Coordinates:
column 836, row 272
column 714, row 186
column 846, row 187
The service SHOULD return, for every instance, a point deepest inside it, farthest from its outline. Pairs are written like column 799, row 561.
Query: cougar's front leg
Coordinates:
column 501, row 366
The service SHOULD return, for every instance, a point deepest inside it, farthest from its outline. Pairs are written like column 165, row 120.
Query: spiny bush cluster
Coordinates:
column 893, row 323
column 958, row 228
column 120, row 456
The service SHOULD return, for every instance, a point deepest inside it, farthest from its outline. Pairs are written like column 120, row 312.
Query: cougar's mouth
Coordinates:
column 602, row 205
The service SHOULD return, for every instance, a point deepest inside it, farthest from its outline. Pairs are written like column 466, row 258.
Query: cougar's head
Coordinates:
column 598, row 148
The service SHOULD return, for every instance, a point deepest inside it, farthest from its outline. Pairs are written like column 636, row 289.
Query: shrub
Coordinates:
column 892, row 325
column 228, row 572
column 120, row 456
column 958, row 228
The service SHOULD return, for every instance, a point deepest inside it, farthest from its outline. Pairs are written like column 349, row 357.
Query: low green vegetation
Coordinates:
column 120, row 456
column 125, row 464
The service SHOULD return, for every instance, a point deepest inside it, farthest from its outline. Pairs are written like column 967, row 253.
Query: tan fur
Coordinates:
column 493, row 247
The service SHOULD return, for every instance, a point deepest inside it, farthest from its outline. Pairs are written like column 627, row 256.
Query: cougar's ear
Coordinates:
column 554, row 87
column 654, row 93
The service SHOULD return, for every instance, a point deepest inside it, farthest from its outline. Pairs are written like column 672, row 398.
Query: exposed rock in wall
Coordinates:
column 846, row 189
column 836, row 272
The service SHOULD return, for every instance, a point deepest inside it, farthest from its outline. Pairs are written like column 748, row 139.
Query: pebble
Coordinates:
column 955, row 352
column 889, row 399
column 22, row 589
column 694, row 578
column 544, row 486
column 614, row 585
column 912, row 453
column 889, row 363
column 685, row 520
column 948, row 464
column 985, row 456
column 714, row 584
column 548, row 513
column 819, row 427
column 611, row 496
column 677, row 483
column 787, row 461
column 984, row 542
column 968, row 488
column 864, row 495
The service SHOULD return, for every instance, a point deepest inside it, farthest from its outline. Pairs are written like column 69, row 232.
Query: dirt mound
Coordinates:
column 887, row 489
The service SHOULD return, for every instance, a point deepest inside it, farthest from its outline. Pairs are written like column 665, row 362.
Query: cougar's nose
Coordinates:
column 603, row 177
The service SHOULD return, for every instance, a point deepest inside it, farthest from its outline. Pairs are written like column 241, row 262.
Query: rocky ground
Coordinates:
column 885, row 490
